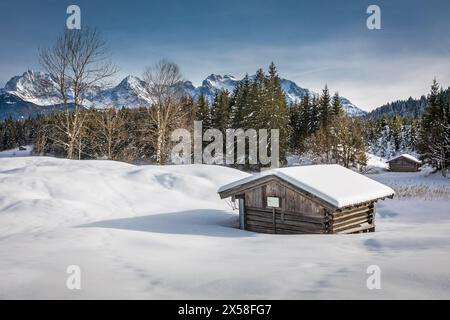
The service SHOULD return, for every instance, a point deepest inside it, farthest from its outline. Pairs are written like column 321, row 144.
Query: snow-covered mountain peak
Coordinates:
column 131, row 82
column 27, row 82
column 293, row 92
column 220, row 78
column 33, row 86
column 130, row 93
column 218, row 82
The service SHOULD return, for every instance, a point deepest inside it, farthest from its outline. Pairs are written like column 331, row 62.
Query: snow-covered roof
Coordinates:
column 334, row 184
column 407, row 156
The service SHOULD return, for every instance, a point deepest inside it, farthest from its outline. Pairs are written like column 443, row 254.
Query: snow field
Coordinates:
column 150, row 232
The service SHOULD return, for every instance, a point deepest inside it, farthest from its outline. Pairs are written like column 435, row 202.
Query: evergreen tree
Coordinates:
column 434, row 136
column 276, row 114
column 305, row 115
column 242, row 112
column 203, row 111
column 10, row 139
column 259, row 109
column 396, row 131
column 336, row 106
column 314, row 116
column 220, row 111
column 295, row 125
column 324, row 107
column 413, row 136
column 240, row 104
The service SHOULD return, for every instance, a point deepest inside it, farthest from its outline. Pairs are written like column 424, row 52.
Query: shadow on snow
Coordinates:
column 204, row 222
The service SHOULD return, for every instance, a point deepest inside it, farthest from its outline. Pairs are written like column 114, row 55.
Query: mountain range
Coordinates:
column 24, row 96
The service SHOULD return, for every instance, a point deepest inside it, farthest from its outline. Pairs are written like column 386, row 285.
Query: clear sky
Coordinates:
column 311, row 42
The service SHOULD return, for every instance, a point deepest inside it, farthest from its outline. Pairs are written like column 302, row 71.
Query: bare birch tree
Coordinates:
column 163, row 87
column 77, row 62
column 108, row 124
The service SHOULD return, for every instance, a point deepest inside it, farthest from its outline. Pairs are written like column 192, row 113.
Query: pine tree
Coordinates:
column 10, row 140
column 203, row 111
column 434, row 136
column 235, row 104
column 413, row 136
column 336, row 106
column 190, row 112
column 220, row 111
column 305, row 115
column 324, row 107
column 240, row 104
column 295, row 125
column 242, row 112
column 275, row 109
column 396, row 131
column 259, row 109
column 314, row 116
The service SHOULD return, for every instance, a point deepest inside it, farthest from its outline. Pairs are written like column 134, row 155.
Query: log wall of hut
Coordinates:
column 300, row 213
column 354, row 220
column 403, row 165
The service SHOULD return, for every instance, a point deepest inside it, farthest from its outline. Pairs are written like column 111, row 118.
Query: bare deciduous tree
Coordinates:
column 163, row 86
column 77, row 62
column 108, row 125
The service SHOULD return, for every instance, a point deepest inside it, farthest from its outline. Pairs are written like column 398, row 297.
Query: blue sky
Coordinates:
column 311, row 42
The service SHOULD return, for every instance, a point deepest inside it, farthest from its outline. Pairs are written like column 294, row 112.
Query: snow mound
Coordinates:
column 375, row 164
column 35, row 190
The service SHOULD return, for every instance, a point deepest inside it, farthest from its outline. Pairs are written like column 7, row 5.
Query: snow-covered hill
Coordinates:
column 155, row 232
column 37, row 90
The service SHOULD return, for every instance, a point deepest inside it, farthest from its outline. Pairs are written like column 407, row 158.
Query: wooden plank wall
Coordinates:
column 356, row 219
column 299, row 214
column 403, row 165
column 403, row 168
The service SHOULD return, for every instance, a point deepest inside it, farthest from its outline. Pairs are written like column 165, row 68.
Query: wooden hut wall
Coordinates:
column 356, row 219
column 403, row 165
column 297, row 213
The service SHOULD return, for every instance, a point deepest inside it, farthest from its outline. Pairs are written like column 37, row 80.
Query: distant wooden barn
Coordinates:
column 404, row 163
column 315, row 199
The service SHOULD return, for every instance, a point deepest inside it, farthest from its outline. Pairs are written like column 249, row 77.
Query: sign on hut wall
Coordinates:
column 273, row 202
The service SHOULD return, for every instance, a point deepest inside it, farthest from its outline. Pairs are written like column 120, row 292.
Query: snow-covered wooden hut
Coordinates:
column 307, row 199
column 404, row 163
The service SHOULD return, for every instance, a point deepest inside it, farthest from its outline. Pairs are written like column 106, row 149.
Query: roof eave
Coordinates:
column 232, row 190
column 390, row 196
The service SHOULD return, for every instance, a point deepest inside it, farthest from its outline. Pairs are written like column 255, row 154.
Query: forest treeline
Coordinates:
column 317, row 125
column 315, row 128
